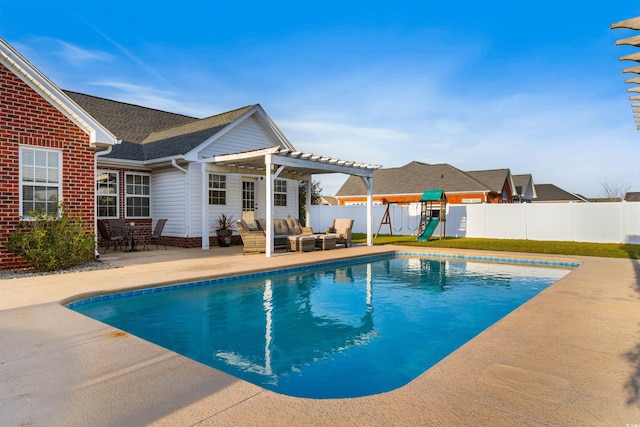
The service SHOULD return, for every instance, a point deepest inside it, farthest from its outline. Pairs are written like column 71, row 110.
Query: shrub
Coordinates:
column 48, row 244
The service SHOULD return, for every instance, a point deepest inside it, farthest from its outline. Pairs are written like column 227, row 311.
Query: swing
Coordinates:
column 394, row 214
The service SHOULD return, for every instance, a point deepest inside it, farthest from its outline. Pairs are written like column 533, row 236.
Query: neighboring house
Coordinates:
column 632, row 196
column 525, row 189
column 549, row 193
column 500, row 183
column 108, row 159
column 328, row 201
column 407, row 183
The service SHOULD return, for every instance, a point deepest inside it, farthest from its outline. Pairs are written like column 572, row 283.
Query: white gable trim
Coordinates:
column 98, row 134
column 263, row 119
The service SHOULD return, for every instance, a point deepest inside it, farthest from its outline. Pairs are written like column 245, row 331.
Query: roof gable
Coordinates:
column 524, row 185
column 494, row 179
column 17, row 64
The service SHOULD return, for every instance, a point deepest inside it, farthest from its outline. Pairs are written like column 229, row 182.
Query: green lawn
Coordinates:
column 609, row 250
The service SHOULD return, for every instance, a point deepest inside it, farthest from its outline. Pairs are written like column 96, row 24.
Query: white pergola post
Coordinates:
column 269, row 205
column 368, row 183
column 204, row 197
column 308, row 203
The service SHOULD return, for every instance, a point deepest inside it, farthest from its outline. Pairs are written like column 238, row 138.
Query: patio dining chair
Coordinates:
column 118, row 227
column 110, row 237
column 156, row 235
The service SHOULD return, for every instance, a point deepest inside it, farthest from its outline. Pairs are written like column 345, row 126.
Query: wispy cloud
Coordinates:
column 126, row 52
column 333, row 138
column 153, row 97
column 77, row 55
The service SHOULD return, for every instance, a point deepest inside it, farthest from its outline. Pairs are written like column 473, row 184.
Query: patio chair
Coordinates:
column 156, row 236
column 110, row 237
column 252, row 240
column 341, row 227
column 118, row 227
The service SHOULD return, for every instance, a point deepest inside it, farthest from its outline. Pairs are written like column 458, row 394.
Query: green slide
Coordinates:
column 428, row 230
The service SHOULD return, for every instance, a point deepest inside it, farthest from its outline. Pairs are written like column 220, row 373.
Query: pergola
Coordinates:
column 631, row 24
column 275, row 162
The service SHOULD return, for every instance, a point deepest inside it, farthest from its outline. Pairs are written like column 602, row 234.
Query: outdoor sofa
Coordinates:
column 285, row 231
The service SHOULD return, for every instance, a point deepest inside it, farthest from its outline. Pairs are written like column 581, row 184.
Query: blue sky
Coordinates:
column 535, row 87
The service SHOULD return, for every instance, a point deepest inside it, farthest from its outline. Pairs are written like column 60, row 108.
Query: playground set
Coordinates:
column 433, row 205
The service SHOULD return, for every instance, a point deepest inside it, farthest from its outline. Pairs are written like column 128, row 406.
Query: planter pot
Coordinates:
column 224, row 237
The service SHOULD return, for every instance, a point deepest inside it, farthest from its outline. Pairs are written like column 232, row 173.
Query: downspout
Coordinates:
column 187, row 185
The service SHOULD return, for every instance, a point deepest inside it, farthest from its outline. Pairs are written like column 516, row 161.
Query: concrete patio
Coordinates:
column 570, row 356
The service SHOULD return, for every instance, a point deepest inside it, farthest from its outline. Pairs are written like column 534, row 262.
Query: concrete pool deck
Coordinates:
column 570, row 356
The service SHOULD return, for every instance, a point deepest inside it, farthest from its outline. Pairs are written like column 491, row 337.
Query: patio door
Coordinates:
column 249, row 201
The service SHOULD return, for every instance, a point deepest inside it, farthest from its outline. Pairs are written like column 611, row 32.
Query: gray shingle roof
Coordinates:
column 494, row 178
column 632, row 196
column 413, row 178
column 147, row 133
column 128, row 122
column 522, row 182
column 552, row 193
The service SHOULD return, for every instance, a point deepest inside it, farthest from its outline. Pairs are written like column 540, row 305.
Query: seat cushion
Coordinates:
column 280, row 227
column 294, row 226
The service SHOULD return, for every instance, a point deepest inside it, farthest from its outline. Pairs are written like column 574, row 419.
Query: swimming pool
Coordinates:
column 343, row 329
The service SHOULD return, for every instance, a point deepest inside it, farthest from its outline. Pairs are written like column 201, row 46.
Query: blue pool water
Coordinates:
column 347, row 330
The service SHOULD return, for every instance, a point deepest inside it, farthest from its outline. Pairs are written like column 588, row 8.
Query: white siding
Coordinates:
column 248, row 135
column 233, row 206
column 291, row 210
column 168, row 200
column 195, row 176
column 234, row 199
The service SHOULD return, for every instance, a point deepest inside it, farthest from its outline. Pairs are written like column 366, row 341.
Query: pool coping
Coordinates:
column 72, row 302
column 561, row 358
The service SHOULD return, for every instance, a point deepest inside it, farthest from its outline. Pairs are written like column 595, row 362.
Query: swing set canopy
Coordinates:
column 433, row 196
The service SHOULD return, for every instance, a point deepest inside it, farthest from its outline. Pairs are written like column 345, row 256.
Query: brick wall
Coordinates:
column 28, row 119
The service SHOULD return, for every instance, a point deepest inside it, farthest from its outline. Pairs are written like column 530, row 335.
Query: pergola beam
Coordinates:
column 631, row 24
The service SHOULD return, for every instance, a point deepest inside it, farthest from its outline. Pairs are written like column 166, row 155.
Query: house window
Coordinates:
column 217, row 189
column 40, row 178
column 107, row 194
column 280, row 192
column 137, row 195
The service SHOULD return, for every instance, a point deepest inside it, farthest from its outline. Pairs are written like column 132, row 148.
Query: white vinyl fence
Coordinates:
column 578, row 222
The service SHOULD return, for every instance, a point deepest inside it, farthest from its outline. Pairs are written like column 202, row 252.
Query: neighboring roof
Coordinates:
column 552, row 193
column 17, row 64
column 329, row 200
column 494, row 178
column 522, row 182
column 632, row 196
column 413, row 178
